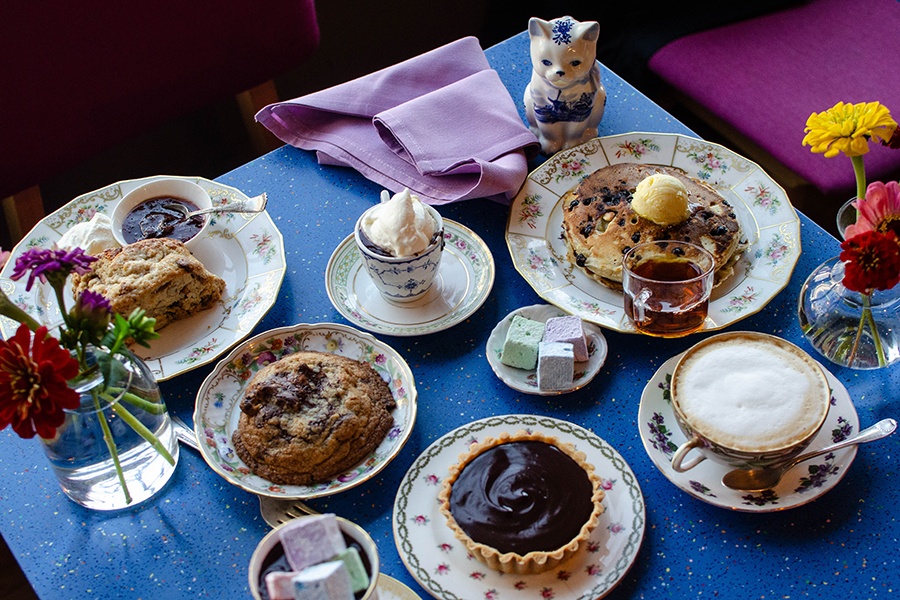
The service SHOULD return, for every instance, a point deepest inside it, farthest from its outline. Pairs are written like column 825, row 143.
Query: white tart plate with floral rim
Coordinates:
column 442, row 565
column 802, row 484
column 217, row 408
column 247, row 251
column 769, row 222
column 464, row 280
column 523, row 380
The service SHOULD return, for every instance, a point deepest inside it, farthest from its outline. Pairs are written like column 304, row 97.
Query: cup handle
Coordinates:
column 640, row 303
column 678, row 464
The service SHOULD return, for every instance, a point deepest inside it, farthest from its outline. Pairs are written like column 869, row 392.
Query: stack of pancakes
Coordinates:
column 600, row 225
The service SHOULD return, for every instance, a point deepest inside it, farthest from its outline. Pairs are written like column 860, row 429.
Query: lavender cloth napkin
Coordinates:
column 441, row 124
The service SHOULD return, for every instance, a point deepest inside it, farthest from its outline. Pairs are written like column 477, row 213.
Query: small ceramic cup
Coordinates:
column 176, row 188
column 764, row 400
column 352, row 533
column 403, row 279
column 667, row 285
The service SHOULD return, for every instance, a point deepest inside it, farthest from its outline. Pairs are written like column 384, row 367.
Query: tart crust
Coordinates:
column 536, row 561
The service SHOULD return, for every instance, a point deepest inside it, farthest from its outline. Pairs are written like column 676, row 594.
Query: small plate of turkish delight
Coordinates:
column 544, row 350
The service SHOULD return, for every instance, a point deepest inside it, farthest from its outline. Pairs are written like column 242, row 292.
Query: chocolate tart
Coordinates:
column 522, row 503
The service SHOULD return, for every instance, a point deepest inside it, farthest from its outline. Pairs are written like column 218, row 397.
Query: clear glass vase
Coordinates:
column 846, row 216
column 846, row 327
column 106, row 429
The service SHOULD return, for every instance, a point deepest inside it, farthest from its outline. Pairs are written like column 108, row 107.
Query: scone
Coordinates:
column 600, row 225
column 159, row 275
column 311, row 415
column 522, row 503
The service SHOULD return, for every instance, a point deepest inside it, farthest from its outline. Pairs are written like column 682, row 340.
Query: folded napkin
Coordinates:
column 441, row 124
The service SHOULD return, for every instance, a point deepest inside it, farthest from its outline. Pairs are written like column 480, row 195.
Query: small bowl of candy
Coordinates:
column 157, row 209
column 543, row 350
column 315, row 556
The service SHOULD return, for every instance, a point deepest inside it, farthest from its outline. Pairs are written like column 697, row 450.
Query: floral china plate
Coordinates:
column 769, row 222
column 442, row 565
column 247, row 251
column 526, row 380
column 217, row 407
column 802, row 484
column 464, row 280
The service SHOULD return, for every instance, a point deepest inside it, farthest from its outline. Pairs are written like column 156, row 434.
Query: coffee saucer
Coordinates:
column 802, row 484
column 464, row 280
column 526, row 381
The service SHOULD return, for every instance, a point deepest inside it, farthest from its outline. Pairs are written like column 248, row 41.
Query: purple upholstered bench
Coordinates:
column 761, row 78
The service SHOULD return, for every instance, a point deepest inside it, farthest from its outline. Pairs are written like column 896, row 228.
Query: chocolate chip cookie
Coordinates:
column 310, row 416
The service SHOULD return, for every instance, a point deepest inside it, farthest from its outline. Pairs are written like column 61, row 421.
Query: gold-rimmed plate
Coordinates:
column 247, row 251
column 769, row 222
column 217, row 408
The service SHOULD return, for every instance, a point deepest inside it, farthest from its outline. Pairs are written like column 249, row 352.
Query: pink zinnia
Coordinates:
column 878, row 211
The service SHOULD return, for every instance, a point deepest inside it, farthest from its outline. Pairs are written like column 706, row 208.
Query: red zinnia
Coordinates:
column 33, row 383
column 872, row 261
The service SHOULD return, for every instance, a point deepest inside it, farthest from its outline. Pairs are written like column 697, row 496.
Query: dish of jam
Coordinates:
column 154, row 218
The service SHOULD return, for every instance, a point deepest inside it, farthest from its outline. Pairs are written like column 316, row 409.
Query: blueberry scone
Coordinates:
column 159, row 275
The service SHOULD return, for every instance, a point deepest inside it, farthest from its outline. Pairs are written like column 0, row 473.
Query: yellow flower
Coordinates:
column 848, row 128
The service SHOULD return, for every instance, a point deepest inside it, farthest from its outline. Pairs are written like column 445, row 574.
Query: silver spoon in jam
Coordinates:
column 756, row 480
column 256, row 204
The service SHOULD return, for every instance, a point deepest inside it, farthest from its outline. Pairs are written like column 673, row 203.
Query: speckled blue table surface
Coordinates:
column 196, row 537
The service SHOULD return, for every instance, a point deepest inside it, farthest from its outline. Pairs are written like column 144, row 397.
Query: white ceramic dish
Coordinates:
column 769, row 222
column 442, row 565
column 348, row 528
column 391, row 589
column 172, row 187
column 464, row 280
column 662, row 436
column 247, row 252
column 526, row 380
column 217, row 408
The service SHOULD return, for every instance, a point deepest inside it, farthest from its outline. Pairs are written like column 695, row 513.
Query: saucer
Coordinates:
column 464, row 280
column 391, row 589
column 526, row 380
column 801, row 485
column 445, row 569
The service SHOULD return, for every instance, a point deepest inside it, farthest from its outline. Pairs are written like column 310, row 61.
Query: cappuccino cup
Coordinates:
column 746, row 400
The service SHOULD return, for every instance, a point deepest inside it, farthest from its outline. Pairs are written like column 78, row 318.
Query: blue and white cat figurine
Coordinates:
column 565, row 100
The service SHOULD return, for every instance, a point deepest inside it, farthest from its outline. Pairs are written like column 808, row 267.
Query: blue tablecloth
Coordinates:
column 195, row 539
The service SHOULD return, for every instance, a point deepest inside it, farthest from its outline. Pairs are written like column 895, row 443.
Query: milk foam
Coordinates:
column 751, row 395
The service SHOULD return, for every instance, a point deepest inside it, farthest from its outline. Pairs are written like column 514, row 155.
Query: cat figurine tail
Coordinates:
column 565, row 99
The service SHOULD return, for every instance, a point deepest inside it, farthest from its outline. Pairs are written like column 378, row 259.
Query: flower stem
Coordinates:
column 860, row 171
column 867, row 313
column 154, row 408
column 111, row 445
column 8, row 309
column 143, row 431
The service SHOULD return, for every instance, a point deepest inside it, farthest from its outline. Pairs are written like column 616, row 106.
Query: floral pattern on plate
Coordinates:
column 247, row 251
column 464, row 280
column 802, row 484
column 445, row 569
column 217, row 409
column 770, row 224
column 526, row 380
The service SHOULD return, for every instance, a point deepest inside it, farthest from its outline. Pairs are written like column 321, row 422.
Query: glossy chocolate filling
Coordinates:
column 521, row 497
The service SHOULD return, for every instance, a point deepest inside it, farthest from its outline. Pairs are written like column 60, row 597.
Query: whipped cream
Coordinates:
column 400, row 225
column 93, row 237
column 661, row 198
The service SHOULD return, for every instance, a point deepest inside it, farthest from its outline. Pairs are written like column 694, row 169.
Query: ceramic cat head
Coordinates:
column 565, row 100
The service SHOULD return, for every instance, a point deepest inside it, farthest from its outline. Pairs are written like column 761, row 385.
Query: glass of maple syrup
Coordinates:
column 667, row 284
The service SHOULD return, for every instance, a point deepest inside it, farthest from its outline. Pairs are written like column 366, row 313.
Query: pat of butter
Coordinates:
column 661, row 198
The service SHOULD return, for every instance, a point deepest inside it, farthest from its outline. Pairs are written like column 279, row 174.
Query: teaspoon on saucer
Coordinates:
column 756, row 480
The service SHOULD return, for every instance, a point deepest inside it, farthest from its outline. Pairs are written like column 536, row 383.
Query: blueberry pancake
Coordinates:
column 310, row 416
column 600, row 225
